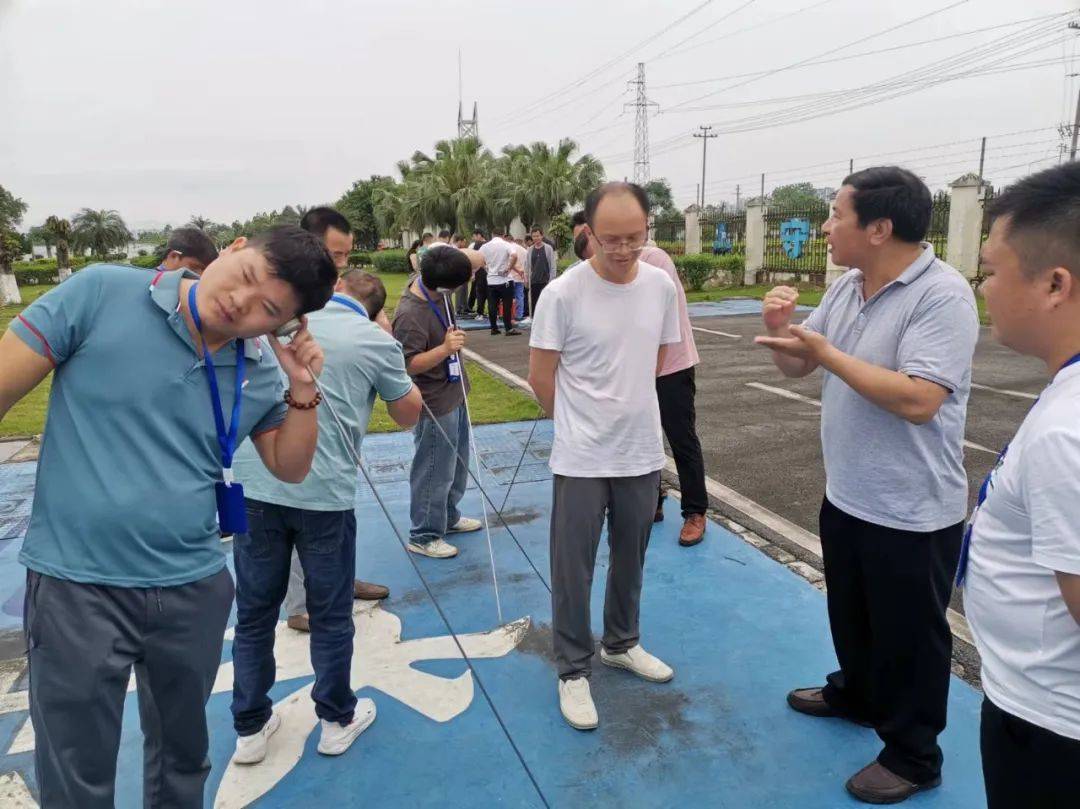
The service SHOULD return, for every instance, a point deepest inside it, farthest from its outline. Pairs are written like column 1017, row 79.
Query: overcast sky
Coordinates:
column 163, row 110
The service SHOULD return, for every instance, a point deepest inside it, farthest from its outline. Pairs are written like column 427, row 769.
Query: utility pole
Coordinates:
column 738, row 190
column 982, row 158
column 697, row 199
column 851, row 165
column 1076, row 129
column 704, row 134
column 641, row 126
column 466, row 127
column 762, row 188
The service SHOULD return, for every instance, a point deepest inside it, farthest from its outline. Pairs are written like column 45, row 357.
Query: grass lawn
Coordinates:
column 491, row 400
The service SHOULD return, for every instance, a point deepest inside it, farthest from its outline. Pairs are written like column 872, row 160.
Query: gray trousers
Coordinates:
column 296, row 595
column 437, row 477
column 82, row 642
column 577, row 519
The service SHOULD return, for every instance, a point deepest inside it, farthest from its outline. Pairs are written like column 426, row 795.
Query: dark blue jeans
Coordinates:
column 326, row 544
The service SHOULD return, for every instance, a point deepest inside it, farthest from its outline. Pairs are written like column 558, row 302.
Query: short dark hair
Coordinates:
column 893, row 193
column 592, row 202
column 366, row 288
column 580, row 244
column 498, row 231
column 426, row 236
column 478, row 232
column 192, row 242
column 445, row 268
column 537, row 229
column 319, row 220
column 300, row 259
column 444, row 234
column 578, row 219
column 1043, row 210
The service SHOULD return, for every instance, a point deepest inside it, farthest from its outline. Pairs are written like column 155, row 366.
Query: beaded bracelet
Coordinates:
column 305, row 406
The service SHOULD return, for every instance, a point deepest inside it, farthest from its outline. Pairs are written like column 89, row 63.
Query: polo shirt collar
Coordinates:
column 165, row 292
column 919, row 265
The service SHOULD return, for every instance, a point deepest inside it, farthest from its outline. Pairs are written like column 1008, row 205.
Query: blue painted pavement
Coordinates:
column 732, row 306
column 739, row 629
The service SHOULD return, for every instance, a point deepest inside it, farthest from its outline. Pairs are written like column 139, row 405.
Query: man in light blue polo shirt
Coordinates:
column 315, row 518
column 895, row 338
column 125, row 566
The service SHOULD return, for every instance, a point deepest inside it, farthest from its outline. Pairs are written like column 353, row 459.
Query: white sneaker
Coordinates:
column 575, row 702
column 252, row 749
column 438, row 549
column 640, row 662
column 336, row 739
column 465, row 525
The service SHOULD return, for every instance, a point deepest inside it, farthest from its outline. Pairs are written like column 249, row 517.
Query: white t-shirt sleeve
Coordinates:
column 1051, row 478
column 550, row 322
column 671, row 332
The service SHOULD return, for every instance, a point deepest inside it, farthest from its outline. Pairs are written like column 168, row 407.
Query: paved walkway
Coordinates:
column 739, row 629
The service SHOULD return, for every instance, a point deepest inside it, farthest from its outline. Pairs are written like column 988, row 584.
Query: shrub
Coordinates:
column 36, row 275
column 696, row 270
column 146, row 262
column 360, row 258
column 672, row 248
column 390, row 261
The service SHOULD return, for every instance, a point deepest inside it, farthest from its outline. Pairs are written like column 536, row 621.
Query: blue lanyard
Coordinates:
column 226, row 439
column 356, row 307
column 431, row 303
column 984, row 490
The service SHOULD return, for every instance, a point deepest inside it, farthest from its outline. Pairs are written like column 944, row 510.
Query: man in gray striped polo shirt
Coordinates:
column 895, row 338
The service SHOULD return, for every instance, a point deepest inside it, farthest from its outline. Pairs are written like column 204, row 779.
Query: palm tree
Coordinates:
column 99, row 230
column 200, row 222
column 455, row 188
column 543, row 181
column 59, row 230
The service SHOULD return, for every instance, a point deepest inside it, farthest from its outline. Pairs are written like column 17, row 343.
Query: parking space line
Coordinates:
column 1017, row 393
column 798, row 397
column 718, row 333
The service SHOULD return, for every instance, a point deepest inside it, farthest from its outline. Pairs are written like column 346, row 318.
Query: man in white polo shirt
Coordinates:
column 598, row 337
column 895, row 338
column 500, row 259
column 1020, row 566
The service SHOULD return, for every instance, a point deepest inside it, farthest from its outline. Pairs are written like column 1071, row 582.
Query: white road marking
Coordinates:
column 1019, row 394
column 798, row 397
column 14, row 793
column 718, row 333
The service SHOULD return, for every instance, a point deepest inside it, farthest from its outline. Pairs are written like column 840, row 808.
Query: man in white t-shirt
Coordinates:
column 500, row 259
column 1020, row 563
column 598, row 337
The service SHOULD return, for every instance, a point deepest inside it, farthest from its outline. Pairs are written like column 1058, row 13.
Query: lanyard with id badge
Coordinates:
column 232, row 516
column 453, row 362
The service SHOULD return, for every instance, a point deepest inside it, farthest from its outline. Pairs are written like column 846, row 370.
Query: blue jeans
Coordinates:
column 438, row 478
column 519, row 298
column 326, row 544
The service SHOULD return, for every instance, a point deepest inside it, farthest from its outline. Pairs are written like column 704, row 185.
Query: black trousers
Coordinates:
column 534, row 295
column 676, row 392
column 478, row 292
column 84, row 640
column 500, row 293
column 1026, row 766
column 888, row 591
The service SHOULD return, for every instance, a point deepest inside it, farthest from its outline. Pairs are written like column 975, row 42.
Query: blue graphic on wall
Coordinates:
column 722, row 243
column 793, row 234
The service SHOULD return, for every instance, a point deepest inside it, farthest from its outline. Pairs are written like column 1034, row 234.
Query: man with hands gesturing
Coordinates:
column 895, row 338
column 155, row 382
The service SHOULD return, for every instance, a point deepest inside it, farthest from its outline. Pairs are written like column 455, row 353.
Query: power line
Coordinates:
column 613, row 61
column 863, row 54
column 701, row 31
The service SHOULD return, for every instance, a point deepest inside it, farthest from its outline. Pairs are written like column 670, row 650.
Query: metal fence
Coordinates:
column 669, row 230
column 724, row 234
column 938, row 234
column 794, row 242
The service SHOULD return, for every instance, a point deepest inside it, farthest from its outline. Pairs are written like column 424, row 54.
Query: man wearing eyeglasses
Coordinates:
column 599, row 335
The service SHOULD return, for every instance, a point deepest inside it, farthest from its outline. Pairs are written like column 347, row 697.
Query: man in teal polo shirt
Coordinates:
column 315, row 518
column 125, row 566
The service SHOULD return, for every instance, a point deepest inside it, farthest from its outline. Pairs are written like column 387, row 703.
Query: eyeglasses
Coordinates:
column 616, row 245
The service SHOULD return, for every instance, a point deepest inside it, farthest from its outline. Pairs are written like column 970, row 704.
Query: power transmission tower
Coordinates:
column 641, row 127
column 704, row 135
column 466, row 127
